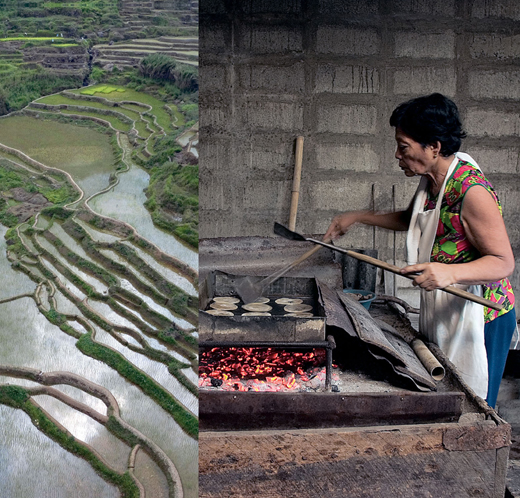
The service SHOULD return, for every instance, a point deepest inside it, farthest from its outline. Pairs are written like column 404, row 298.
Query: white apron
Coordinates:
column 454, row 324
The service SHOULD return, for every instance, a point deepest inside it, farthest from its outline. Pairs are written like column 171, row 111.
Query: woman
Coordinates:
column 456, row 236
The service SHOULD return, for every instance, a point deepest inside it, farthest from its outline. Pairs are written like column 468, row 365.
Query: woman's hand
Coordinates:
column 340, row 224
column 431, row 276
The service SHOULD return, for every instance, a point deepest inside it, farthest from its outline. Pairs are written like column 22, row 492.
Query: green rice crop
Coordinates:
column 114, row 121
column 141, row 128
column 178, row 116
column 118, row 93
column 105, row 89
column 37, row 38
column 59, row 99
column 75, row 149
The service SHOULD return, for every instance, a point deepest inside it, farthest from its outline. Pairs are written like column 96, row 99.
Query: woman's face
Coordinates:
column 414, row 159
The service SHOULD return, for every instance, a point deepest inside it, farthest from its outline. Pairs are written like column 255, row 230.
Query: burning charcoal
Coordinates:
column 216, row 382
column 335, row 389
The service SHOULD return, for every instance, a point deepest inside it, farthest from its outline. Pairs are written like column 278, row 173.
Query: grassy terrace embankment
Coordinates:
column 186, row 420
column 92, row 135
column 18, row 397
column 112, row 358
column 173, row 190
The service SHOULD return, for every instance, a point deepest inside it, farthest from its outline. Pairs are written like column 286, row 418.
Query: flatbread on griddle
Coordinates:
column 257, row 307
column 288, row 300
column 223, row 306
column 256, row 313
column 220, row 312
column 226, row 299
column 296, row 308
column 301, row 314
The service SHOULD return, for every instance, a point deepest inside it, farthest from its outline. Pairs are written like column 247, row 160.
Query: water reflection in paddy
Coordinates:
column 70, row 287
column 41, row 345
column 157, row 371
column 86, row 429
column 166, row 273
column 125, row 202
column 150, row 476
column 170, row 275
column 97, row 235
column 125, row 284
column 71, row 243
column 43, row 465
column 112, row 316
column 65, row 306
column 14, row 282
column 92, row 281
column 29, row 460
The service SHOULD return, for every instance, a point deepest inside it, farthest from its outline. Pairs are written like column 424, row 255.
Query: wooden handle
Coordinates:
column 295, row 196
column 285, row 269
column 450, row 290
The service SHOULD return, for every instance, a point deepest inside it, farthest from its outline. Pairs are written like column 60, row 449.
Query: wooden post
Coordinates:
column 296, row 183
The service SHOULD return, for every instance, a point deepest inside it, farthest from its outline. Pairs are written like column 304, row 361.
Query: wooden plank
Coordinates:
column 220, row 410
column 483, row 436
column 401, row 462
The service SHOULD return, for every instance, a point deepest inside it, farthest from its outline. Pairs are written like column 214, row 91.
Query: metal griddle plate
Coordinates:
column 274, row 328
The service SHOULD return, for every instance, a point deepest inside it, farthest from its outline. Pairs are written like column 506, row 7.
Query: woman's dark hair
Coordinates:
column 430, row 119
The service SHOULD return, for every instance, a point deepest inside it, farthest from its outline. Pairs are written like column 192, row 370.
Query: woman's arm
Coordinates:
column 486, row 231
column 397, row 220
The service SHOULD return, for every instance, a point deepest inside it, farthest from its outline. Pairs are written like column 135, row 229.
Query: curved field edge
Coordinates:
column 173, row 187
column 19, row 398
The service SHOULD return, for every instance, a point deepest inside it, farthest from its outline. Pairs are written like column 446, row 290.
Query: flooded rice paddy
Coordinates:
column 75, row 310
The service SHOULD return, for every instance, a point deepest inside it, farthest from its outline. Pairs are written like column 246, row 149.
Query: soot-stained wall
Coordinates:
column 333, row 71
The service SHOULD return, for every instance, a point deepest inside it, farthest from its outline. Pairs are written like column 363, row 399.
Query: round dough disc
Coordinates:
column 220, row 312
column 301, row 314
column 256, row 313
column 223, row 306
column 296, row 308
column 287, row 300
column 257, row 307
column 226, row 299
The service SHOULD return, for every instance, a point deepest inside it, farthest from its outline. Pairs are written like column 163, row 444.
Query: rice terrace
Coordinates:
column 99, row 234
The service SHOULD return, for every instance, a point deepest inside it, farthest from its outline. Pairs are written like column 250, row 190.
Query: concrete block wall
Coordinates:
column 333, row 71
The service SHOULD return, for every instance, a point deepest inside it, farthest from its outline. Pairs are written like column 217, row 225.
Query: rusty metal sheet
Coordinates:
column 223, row 410
column 413, row 366
column 334, row 310
column 484, row 436
column 367, row 329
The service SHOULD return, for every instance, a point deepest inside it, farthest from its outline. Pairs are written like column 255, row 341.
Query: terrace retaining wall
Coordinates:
column 333, row 71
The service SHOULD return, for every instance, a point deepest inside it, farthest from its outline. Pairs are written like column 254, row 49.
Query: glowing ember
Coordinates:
column 261, row 369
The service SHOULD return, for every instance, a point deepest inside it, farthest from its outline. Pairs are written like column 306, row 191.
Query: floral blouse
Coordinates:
column 451, row 244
